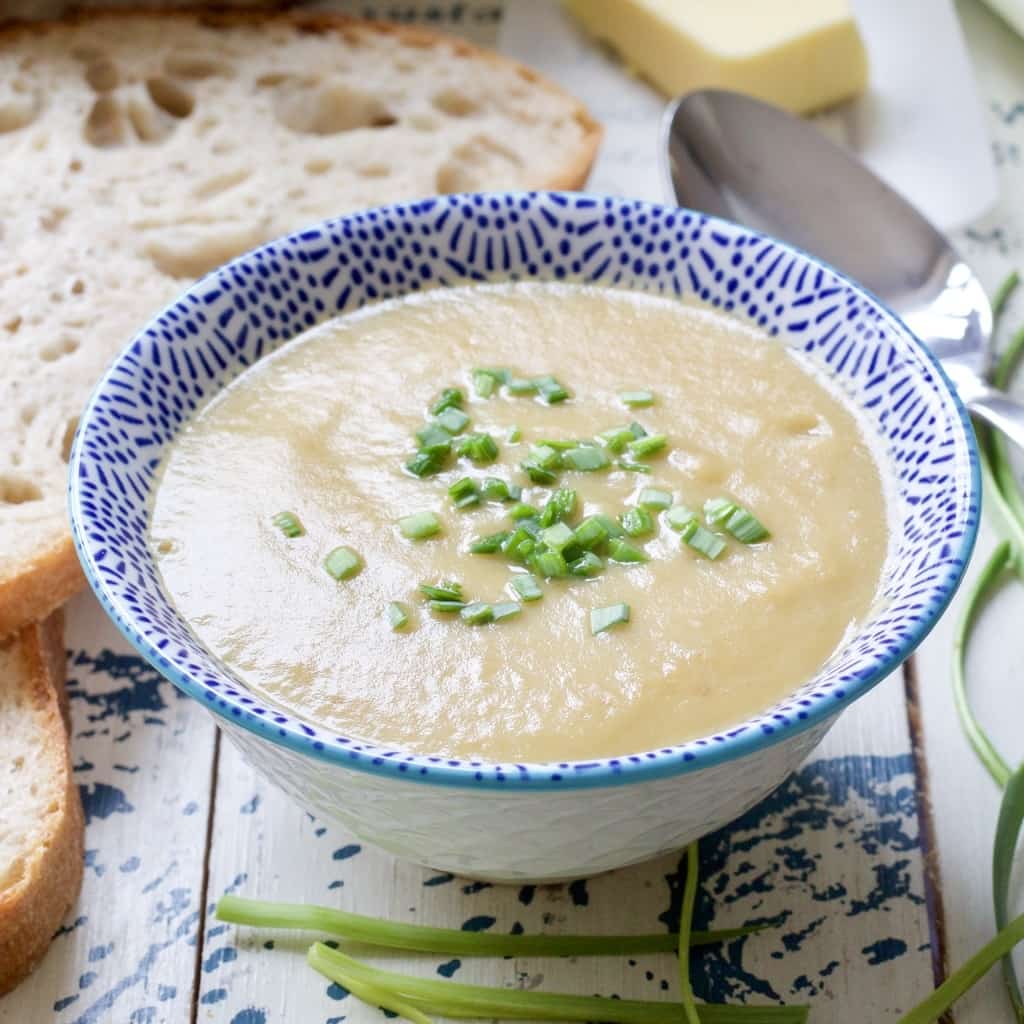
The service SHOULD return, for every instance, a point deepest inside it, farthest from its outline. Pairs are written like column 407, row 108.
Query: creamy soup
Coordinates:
column 325, row 430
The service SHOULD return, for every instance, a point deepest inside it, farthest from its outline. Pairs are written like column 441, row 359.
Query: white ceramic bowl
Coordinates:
column 518, row 822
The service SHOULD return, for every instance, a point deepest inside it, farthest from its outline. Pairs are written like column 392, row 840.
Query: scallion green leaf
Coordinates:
column 637, row 522
column 653, row 498
column 398, row 616
column 616, row 439
column 518, row 545
column 561, row 507
column 636, row 399
column 643, row 447
column 526, row 587
column 487, row 381
column 602, row 619
column 679, row 517
column 591, row 533
column 505, row 610
column 477, row 613
column 549, row 564
column 446, row 590
column 515, row 435
column 521, row 386
column 550, row 390
column 288, row 523
column 637, row 430
column 746, row 527
column 611, row 527
column 633, row 467
column 588, row 564
column 620, row 550
column 454, row 421
column 490, row 544
column 495, row 489
column 558, row 537
column 426, row 463
column 523, row 511
column 480, row 448
column 447, row 607
column 450, row 398
column 343, row 563
column 435, row 439
column 709, row 544
column 585, row 460
column 718, row 510
column 419, row 525
column 464, row 492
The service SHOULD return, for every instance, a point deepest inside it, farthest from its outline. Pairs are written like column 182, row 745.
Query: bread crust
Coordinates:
column 52, row 574
column 32, row 910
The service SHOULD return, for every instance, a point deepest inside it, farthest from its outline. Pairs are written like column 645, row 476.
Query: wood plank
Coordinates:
column 143, row 756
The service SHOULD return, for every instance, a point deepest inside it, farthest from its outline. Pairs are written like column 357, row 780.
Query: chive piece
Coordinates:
column 633, row 467
column 454, row 421
column 447, row 607
column 521, row 386
column 487, row 381
column 549, row 564
column 550, row 390
column 558, row 537
column 464, row 492
column 490, row 544
column 746, row 527
column 419, row 525
column 526, row 587
column 531, row 526
column 622, row 551
column 588, row 564
column 649, row 445
column 560, row 507
column 425, row 463
column 538, row 474
column 703, row 541
column 446, row 590
column 288, row 523
column 637, row 430
column 540, row 464
column 523, row 511
column 612, row 528
column 636, row 399
column 718, row 510
column 651, row 497
column 637, row 522
column 591, row 533
column 495, row 489
column 434, row 438
column 343, row 563
column 602, row 619
column 545, row 456
column 616, row 439
column 679, row 517
column 515, row 435
column 450, row 398
column 585, row 460
column 477, row 613
column 480, row 448
column 518, row 545
column 398, row 616
column 505, row 610
column 560, row 445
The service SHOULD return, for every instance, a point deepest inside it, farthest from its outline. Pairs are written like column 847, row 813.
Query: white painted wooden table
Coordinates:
column 875, row 888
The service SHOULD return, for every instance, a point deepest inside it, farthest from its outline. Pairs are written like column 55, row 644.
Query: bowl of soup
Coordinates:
column 526, row 535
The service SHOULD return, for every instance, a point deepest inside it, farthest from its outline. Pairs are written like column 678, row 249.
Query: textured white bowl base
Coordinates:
column 520, row 837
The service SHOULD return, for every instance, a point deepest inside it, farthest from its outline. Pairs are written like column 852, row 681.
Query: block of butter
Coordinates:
column 803, row 55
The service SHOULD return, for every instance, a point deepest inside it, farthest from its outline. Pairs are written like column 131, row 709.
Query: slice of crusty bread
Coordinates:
column 138, row 152
column 41, row 829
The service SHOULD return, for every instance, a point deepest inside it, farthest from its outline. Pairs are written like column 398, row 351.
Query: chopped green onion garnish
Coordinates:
column 426, row 463
column 585, row 460
column 447, row 607
column 538, row 474
column 521, row 386
column 649, row 445
column 486, row 382
column 637, row 522
column 746, row 527
column 550, row 390
column 490, row 544
column 637, row 430
column 523, row 511
column 637, row 399
column 478, row 613
column 620, row 550
column 446, row 590
column 704, row 541
column 633, row 467
column 453, row 420
column 558, row 537
column 549, row 564
column 450, row 398
column 616, row 439
column 505, row 610
column 540, row 464
column 478, row 447
column 651, row 497
column 588, row 564
column 419, row 525
column 604, row 618
column 717, row 510
column 397, row 615
column 464, row 492
column 559, row 445
column 343, row 563
column 519, row 545
column 434, row 438
column 679, row 517
column 591, row 533
column 560, row 507
column 515, row 435
column 288, row 523
column 526, row 587
column 495, row 489
column 545, row 456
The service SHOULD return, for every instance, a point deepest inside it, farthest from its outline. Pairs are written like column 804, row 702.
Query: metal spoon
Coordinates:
column 739, row 158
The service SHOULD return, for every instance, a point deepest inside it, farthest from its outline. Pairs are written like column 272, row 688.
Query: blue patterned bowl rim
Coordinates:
column 375, row 254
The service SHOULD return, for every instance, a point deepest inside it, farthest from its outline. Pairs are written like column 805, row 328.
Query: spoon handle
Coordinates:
column 1002, row 411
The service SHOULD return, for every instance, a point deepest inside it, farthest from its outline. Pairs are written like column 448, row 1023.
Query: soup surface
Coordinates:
column 324, row 427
